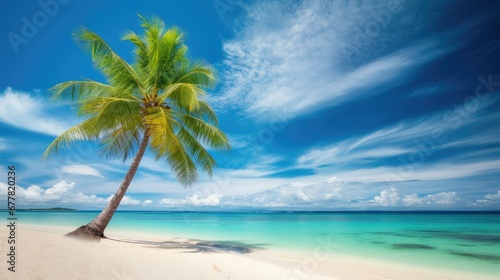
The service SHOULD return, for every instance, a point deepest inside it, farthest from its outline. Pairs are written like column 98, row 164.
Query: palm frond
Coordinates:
column 141, row 52
column 80, row 90
column 119, row 73
column 82, row 131
column 181, row 163
column 209, row 134
column 185, row 96
column 161, row 97
column 160, row 126
column 197, row 73
column 173, row 50
column 110, row 112
column 205, row 111
column 153, row 31
column 196, row 149
column 122, row 142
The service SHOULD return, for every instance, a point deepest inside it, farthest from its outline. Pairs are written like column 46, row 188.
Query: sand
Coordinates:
column 43, row 252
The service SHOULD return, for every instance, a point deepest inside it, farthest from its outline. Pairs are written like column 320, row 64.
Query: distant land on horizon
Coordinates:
column 272, row 211
column 47, row 209
column 276, row 211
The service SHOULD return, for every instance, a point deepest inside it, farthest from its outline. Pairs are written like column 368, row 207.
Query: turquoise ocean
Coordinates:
column 450, row 240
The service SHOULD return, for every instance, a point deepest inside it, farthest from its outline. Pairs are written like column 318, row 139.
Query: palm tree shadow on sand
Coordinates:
column 198, row 246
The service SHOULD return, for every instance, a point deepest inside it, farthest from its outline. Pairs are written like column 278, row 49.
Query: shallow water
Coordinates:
column 456, row 240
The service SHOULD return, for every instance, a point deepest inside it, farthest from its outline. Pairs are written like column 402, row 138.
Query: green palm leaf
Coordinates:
column 160, row 98
column 159, row 103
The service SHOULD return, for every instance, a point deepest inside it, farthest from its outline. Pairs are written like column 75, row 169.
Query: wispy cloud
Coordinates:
column 429, row 172
column 79, row 169
column 412, row 143
column 428, row 90
column 152, row 164
column 289, row 60
column 3, row 144
column 24, row 111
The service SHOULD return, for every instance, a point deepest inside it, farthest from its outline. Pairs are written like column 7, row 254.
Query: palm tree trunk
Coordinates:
column 95, row 229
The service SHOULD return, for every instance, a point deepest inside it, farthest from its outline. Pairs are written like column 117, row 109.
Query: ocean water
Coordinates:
column 450, row 240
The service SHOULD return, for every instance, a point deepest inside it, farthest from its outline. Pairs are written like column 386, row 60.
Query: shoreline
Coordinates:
column 44, row 252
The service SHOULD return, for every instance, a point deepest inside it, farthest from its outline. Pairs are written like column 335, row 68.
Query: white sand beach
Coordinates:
column 44, row 253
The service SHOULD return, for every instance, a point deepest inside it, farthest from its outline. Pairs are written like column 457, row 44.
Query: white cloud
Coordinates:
column 80, row 170
column 493, row 196
column 250, row 172
column 291, row 60
column 389, row 197
column 172, row 202
column 443, row 198
column 489, row 200
column 86, row 200
column 210, row 200
column 60, row 188
column 62, row 194
column 58, row 193
column 329, row 194
column 126, row 200
column 412, row 200
column 194, row 200
column 297, row 194
column 333, row 180
column 22, row 110
column 32, row 192
column 339, row 194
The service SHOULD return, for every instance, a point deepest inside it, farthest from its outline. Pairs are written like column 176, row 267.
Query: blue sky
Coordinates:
column 329, row 105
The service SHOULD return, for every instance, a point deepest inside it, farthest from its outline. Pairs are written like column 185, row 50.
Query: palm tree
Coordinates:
column 159, row 103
